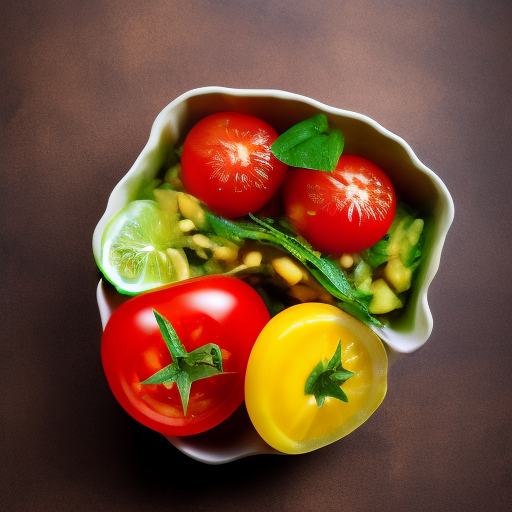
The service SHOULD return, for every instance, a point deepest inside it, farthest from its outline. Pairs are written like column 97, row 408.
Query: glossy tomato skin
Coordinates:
column 227, row 163
column 213, row 309
column 283, row 357
column 345, row 211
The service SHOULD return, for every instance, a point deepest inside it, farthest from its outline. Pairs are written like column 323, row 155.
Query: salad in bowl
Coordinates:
column 262, row 261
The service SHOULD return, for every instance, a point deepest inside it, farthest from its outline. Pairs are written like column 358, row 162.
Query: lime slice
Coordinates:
column 142, row 248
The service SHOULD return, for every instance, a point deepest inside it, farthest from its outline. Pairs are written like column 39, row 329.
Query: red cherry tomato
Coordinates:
column 227, row 163
column 216, row 309
column 347, row 210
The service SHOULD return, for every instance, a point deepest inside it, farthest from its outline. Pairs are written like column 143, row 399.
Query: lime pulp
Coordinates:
column 136, row 247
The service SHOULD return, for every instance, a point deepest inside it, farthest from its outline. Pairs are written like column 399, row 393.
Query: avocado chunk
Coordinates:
column 410, row 250
column 403, row 240
column 363, row 276
column 398, row 275
column 384, row 298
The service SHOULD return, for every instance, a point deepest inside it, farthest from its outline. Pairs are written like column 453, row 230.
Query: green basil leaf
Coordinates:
column 310, row 144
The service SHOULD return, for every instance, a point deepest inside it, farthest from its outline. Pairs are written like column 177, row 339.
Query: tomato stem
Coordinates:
column 186, row 367
column 326, row 379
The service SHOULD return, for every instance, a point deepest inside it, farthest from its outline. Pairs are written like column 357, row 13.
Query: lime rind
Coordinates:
column 135, row 247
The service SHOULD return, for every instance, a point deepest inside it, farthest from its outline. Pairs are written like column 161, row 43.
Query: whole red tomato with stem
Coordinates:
column 345, row 211
column 176, row 358
column 227, row 163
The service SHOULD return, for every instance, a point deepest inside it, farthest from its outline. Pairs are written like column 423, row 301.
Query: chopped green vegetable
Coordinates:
column 398, row 275
column 310, row 144
column 384, row 299
column 363, row 276
column 386, row 270
column 378, row 253
column 402, row 240
column 145, row 190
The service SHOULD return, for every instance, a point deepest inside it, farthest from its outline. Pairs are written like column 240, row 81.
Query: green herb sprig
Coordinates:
column 310, row 144
column 321, row 267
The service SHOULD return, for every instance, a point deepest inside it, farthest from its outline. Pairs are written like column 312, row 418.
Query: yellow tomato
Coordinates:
column 286, row 354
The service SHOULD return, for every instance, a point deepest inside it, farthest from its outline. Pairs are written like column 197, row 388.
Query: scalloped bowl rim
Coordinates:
column 397, row 342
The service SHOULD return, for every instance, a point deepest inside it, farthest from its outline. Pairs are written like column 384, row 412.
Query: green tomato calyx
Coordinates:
column 186, row 367
column 326, row 379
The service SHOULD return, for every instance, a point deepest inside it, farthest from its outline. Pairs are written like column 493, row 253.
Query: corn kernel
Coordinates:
column 290, row 271
column 186, row 225
column 225, row 254
column 346, row 260
column 190, row 209
column 253, row 259
column 202, row 241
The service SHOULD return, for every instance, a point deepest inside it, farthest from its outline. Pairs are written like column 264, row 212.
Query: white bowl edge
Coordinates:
column 402, row 342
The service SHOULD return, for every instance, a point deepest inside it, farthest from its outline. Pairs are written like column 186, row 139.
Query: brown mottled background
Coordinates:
column 81, row 83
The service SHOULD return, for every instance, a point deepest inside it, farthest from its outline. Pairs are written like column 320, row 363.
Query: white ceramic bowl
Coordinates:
column 413, row 181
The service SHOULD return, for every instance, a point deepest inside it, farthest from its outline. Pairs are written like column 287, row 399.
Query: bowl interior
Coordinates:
column 415, row 184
